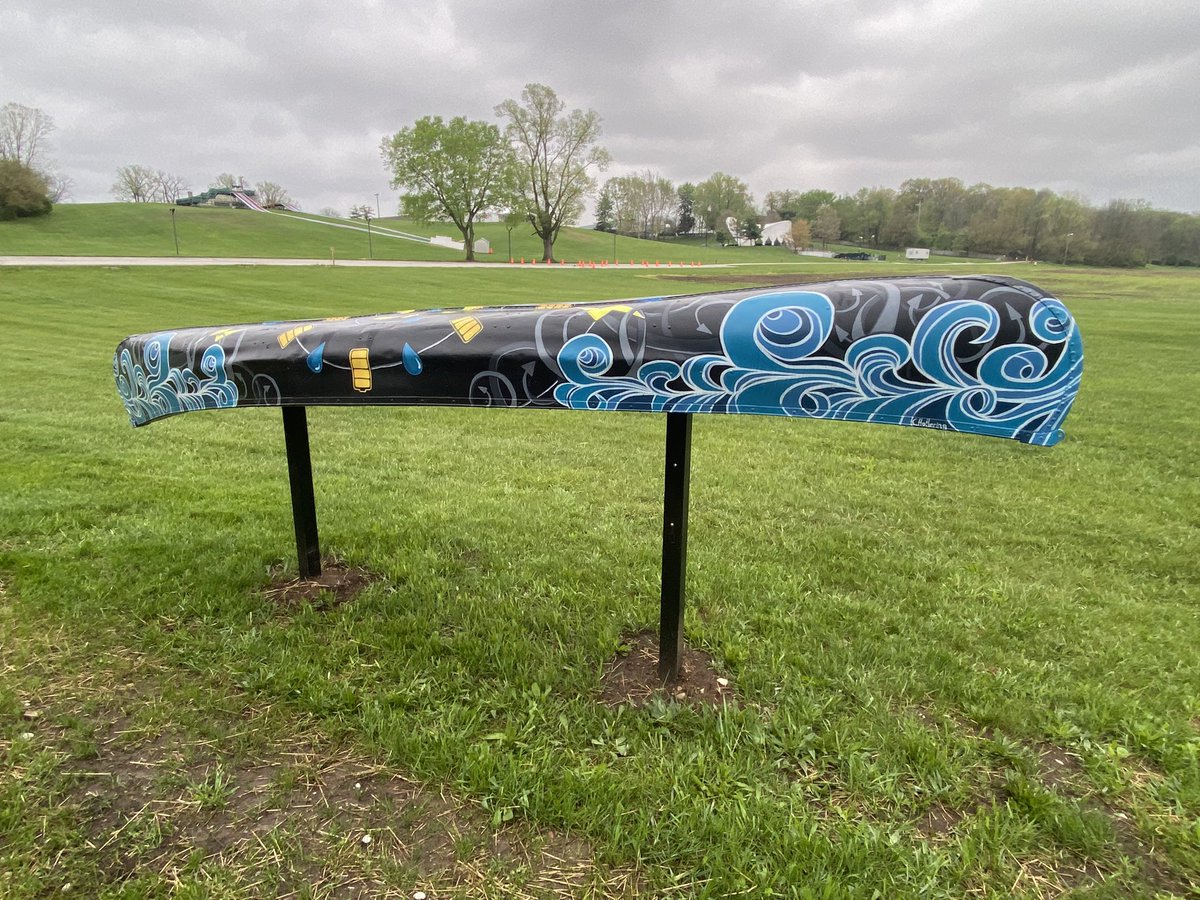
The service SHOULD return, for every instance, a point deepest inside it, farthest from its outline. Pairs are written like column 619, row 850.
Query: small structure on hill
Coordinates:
column 225, row 197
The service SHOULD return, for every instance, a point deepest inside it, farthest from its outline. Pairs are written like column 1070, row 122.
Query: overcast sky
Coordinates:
column 1093, row 96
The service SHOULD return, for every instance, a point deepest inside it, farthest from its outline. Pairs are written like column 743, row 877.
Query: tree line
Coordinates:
column 142, row 184
column 537, row 166
column 938, row 213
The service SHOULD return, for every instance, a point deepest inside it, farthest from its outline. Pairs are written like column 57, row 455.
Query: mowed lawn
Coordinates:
column 145, row 229
column 962, row 665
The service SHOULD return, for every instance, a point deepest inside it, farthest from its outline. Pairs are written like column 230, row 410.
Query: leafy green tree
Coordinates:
column 720, row 196
column 785, row 204
column 605, row 210
column 458, row 170
column 556, row 150
column 809, row 202
column 685, row 213
column 23, row 192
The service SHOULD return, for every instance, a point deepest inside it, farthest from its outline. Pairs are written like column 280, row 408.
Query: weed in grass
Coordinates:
column 214, row 791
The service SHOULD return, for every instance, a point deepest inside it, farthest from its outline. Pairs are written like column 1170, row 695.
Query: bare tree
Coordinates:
column 271, row 194
column 225, row 180
column 167, row 187
column 60, row 186
column 556, row 150
column 23, row 135
column 135, row 183
column 827, row 226
column 330, row 212
column 641, row 203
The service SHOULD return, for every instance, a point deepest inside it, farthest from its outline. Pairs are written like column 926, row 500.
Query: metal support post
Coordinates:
column 304, row 504
column 674, row 547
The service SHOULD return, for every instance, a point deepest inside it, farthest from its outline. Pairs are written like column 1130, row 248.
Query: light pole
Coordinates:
column 174, row 231
column 377, row 212
column 1067, row 249
column 370, row 244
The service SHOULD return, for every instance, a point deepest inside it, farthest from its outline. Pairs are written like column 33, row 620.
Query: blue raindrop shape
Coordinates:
column 412, row 362
column 316, row 359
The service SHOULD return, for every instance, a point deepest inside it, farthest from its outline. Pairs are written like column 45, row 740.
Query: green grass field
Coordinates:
column 144, row 229
column 963, row 666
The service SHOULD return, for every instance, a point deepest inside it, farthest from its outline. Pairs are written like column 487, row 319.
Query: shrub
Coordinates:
column 23, row 192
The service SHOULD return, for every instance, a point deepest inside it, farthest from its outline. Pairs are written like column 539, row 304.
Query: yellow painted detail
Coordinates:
column 553, row 306
column 600, row 312
column 336, row 318
column 360, row 369
column 467, row 327
column 292, row 333
column 224, row 333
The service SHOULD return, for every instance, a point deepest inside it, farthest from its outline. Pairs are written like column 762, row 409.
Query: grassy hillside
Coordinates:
column 963, row 667
column 144, row 229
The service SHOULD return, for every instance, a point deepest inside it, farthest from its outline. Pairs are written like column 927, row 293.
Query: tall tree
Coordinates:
column 642, row 203
column 556, row 150
column 168, row 187
column 801, row 233
column 785, row 203
column 685, row 214
column 24, row 131
column 720, row 196
column 135, row 184
column 826, row 226
column 458, row 170
column 606, row 210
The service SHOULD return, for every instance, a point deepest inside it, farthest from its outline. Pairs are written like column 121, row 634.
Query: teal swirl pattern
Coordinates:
column 771, row 364
column 150, row 388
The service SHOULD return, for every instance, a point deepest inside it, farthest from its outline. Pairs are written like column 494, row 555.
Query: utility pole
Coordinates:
column 174, row 231
column 378, row 214
column 1067, row 249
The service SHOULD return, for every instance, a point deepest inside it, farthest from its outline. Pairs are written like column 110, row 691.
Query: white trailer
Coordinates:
column 916, row 253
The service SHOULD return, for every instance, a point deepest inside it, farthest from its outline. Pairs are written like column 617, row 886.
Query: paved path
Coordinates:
column 399, row 263
column 252, row 261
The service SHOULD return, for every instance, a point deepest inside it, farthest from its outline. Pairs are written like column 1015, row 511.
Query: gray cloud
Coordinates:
column 1083, row 96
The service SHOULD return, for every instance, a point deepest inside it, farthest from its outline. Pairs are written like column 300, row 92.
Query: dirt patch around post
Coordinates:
column 338, row 583
column 631, row 676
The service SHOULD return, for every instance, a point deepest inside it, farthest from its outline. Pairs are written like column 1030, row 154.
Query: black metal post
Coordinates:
column 676, row 480
column 304, row 504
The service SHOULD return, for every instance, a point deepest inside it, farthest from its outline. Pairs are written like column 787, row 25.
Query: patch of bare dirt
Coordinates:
column 338, row 583
column 939, row 821
column 631, row 676
column 1059, row 770
column 291, row 813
